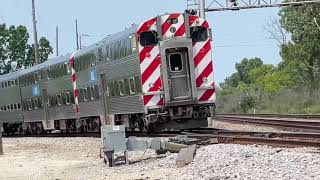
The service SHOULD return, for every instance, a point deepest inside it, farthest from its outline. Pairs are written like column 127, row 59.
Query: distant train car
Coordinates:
column 155, row 76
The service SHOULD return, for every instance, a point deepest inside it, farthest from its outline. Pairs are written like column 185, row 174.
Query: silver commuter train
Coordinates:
column 155, row 76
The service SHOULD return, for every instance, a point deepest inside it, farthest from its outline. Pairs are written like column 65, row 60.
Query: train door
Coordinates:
column 178, row 74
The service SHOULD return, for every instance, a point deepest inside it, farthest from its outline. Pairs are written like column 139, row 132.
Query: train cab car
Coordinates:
column 176, row 71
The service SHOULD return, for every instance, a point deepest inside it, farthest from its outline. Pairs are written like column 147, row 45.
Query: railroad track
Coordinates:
column 291, row 122
column 205, row 136
column 304, row 116
column 278, row 139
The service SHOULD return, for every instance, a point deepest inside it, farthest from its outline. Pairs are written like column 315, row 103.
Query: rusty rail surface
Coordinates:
column 295, row 122
column 278, row 139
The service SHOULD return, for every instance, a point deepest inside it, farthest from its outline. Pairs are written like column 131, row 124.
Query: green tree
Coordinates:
column 245, row 66
column 15, row 53
column 302, row 54
column 44, row 50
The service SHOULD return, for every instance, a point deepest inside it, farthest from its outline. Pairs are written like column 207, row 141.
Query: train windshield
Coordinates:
column 149, row 38
column 199, row 34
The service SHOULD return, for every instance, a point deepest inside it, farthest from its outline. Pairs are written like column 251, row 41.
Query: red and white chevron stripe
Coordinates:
column 74, row 83
column 203, row 64
column 150, row 62
column 179, row 26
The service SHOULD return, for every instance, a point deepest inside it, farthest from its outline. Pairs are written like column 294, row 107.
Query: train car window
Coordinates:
column 52, row 101
column 138, row 84
column 89, row 94
column 2, row 85
column 111, row 52
column 13, row 83
column 19, row 106
column 5, row 108
column 96, row 91
column 35, row 103
column 111, row 91
column 5, row 84
column 199, row 34
column 36, row 78
column 11, row 106
column 68, row 68
column 117, row 49
column 93, row 60
column 39, row 103
column 124, row 47
column 129, row 47
column 29, row 105
column 24, row 105
column 85, row 95
column 107, row 54
column 148, row 38
column 72, row 101
column 133, row 43
column 15, row 107
column 126, row 86
column 116, row 88
column 176, row 64
column 80, row 95
column 59, row 99
column 121, row 88
column 132, row 85
column 9, row 83
column 1, row 108
column 100, row 55
column 67, row 98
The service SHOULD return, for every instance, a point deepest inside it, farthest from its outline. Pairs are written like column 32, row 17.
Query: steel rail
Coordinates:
column 311, row 125
column 304, row 116
column 207, row 136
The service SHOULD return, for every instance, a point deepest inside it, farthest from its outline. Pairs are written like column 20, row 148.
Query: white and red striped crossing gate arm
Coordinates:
column 74, row 83
column 203, row 64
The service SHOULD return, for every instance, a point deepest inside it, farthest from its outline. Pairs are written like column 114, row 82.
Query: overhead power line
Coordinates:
column 233, row 5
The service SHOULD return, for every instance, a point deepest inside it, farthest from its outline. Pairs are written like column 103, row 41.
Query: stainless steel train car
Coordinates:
column 151, row 77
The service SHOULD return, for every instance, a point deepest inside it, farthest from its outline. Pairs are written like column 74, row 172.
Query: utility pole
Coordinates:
column 202, row 9
column 57, row 41
column 77, row 35
column 36, row 55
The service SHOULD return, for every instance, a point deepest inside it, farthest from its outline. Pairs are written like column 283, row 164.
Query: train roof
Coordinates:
column 108, row 40
column 65, row 58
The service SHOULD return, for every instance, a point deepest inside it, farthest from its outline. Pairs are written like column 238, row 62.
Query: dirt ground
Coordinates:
column 73, row 158
column 78, row 158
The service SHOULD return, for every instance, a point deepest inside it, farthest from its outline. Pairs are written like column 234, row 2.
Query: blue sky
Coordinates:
column 236, row 34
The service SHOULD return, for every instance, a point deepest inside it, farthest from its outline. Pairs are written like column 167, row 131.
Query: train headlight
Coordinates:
column 204, row 79
column 151, row 85
column 173, row 29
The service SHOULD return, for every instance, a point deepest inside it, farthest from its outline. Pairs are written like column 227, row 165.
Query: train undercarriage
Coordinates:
column 166, row 119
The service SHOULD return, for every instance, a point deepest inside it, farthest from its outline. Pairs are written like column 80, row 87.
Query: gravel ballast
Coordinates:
column 78, row 158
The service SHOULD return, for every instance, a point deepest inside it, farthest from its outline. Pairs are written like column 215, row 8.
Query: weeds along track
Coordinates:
column 291, row 122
